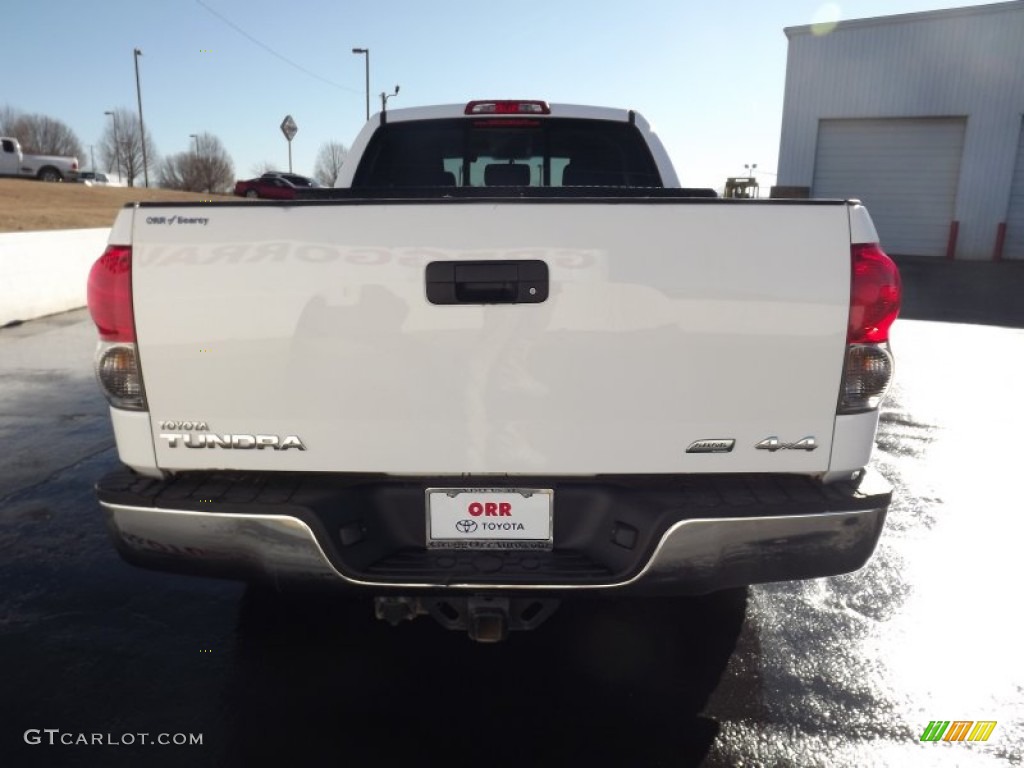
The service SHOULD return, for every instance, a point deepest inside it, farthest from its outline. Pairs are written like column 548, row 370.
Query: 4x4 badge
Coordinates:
column 774, row 444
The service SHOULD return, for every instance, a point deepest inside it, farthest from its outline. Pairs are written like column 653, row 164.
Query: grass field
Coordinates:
column 27, row 205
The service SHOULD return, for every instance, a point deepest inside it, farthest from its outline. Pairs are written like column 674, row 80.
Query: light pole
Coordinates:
column 193, row 136
column 117, row 145
column 384, row 99
column 142, row 127
column 751, row 169
column 92, row 159
column 366, row 52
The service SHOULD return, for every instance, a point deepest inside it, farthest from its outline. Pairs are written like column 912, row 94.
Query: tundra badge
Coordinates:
column 719, row 445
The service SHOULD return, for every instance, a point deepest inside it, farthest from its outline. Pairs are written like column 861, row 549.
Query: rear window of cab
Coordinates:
column 503, row 152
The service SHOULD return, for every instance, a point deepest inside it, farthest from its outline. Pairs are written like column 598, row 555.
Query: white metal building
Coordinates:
column 919, row 115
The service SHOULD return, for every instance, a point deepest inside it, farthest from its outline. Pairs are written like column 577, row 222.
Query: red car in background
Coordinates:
column 274, row 186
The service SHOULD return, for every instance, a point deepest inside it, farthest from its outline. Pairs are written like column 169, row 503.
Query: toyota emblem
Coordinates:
column 465, row 526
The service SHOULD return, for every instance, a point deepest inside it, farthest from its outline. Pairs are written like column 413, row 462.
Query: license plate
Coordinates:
column 489, row 518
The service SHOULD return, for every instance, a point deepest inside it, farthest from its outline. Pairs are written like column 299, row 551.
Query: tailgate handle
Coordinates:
column 487, row 282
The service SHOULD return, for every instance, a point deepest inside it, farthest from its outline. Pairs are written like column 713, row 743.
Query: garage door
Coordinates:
column 1013, row 248
column 905, row 170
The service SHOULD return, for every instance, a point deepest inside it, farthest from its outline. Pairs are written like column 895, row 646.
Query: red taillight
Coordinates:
column 875, row 293
column 508, row 107
column 110, row 294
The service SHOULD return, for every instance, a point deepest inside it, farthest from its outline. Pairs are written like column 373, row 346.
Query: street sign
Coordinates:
column 288, row 127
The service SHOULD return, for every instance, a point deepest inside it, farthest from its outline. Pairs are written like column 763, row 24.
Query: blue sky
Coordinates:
column 708, row 75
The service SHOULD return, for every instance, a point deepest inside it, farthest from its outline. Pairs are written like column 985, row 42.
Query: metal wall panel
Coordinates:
column 1014, row 245
column 965, row 61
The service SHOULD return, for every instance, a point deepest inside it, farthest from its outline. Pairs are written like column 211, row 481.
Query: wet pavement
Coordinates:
column 846, row 671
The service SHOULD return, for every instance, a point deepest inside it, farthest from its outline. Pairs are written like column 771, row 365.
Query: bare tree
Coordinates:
column 206, row 168
column 40, row 134
column 266, row 166
column 8, row 115
column 329, row 160
column 178, row 171
column 121, row 146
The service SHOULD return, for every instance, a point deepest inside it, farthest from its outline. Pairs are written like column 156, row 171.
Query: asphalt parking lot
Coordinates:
column 846, row 671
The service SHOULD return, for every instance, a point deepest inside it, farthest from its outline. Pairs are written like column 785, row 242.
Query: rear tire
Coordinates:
column 49, row 173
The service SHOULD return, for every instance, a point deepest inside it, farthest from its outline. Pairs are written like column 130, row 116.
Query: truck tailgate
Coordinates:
column 667, row 322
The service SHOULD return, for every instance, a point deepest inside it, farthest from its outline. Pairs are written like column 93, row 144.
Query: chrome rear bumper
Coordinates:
column 694, row 555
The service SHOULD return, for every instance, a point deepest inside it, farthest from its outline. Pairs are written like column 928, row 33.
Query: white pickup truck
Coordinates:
column 14, row 162
column 508, row 361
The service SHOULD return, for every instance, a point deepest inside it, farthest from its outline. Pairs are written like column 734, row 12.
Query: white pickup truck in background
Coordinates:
column 509, row 361
column 14, row 162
